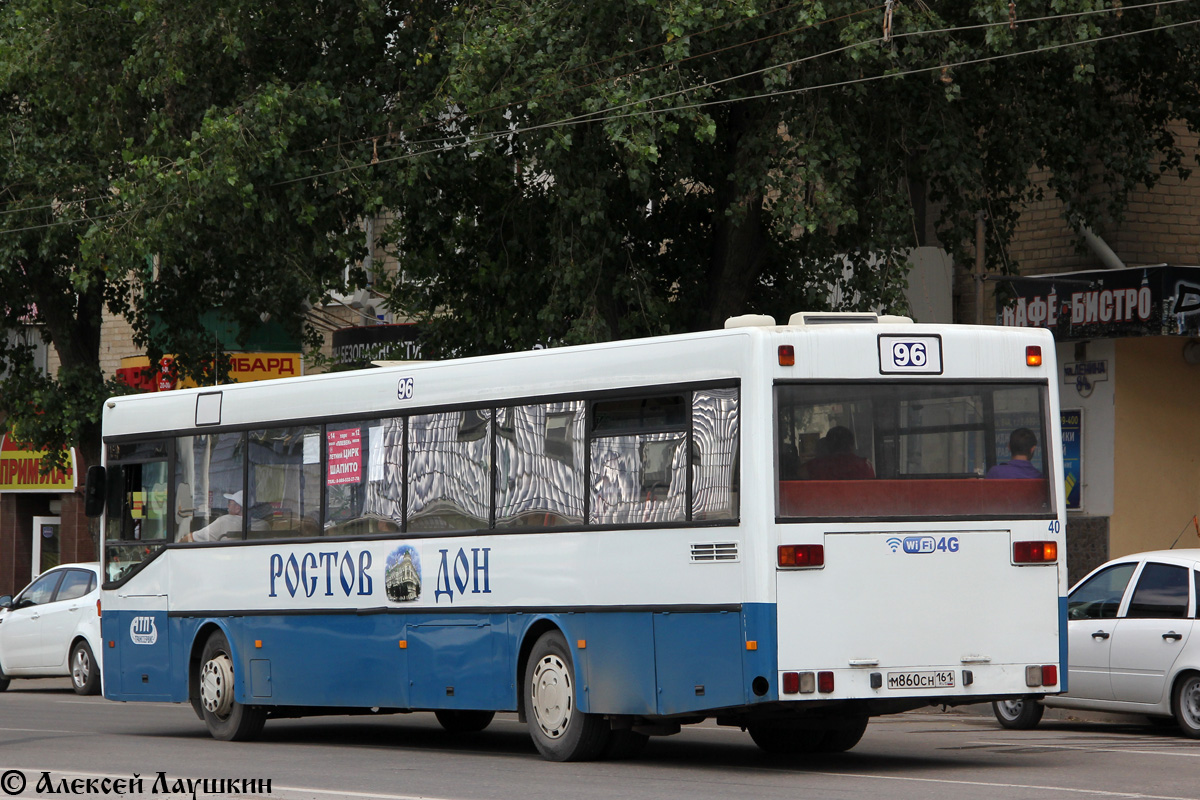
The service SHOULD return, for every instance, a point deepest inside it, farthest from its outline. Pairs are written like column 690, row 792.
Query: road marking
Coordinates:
column 36, row 730
column 1091, row 749
column 997, row 785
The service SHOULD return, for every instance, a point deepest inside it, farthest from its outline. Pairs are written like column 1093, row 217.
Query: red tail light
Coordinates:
column 1049, row 675
column 825, row 682
column 791, row 683
column 1035, row 552
column 801, row 555
column 1033, row 355
column 787, row 355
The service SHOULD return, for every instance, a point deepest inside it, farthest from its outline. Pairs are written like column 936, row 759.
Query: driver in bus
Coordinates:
column 1021, row 443
column 227, row 526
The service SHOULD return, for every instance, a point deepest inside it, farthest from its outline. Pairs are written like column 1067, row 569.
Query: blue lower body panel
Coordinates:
column 643, row 663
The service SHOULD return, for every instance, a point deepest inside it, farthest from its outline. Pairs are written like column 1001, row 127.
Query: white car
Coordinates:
column 52, row 628
column 1132, row 643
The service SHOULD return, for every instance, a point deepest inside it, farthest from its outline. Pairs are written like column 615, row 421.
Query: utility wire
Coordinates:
column 463, row 140
column 387, row 138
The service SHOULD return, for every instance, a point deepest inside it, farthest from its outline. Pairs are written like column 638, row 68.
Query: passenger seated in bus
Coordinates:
column 1021, row 443
column 227, row 526
column 837, row 460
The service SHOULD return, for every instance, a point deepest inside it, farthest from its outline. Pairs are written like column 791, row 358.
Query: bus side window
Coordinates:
column 715, row 438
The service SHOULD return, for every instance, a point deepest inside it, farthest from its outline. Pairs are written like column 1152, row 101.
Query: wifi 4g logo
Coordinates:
column 917, row 545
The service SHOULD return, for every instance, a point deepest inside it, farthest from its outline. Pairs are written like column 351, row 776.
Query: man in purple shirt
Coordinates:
column 1021, row 444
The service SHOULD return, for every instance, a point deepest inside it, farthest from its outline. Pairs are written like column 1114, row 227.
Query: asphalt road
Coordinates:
column 959, row 754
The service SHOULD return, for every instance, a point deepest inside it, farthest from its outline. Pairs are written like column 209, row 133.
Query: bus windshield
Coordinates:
column 911, row 449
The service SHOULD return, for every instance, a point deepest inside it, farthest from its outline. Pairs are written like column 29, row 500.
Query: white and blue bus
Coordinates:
column 785, row 528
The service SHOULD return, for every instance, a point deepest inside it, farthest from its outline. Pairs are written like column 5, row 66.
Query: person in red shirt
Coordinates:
column 838, row 461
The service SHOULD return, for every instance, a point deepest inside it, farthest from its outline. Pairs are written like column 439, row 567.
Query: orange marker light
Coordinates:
column 787, row 355
column 581, row 644
column 403, row 644
column 752, row 645
column 258, row 643
column 1033, row 355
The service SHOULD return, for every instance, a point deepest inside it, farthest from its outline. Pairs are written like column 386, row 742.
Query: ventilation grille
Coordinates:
column 715, row 551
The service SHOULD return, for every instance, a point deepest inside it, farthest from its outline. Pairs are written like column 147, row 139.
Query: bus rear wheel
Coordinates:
column 841, row 739
column 226, row 719
column 781, row 738
column 456, row 721
column 560, row 731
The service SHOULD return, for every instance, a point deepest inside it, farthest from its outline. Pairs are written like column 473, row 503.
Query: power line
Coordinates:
column 460, row 116
column 463, row 140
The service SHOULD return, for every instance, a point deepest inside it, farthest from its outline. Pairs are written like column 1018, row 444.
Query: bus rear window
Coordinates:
column 928, row 450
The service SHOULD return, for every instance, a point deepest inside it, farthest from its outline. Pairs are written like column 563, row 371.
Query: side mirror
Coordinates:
column 93, row 493
column 6, row 601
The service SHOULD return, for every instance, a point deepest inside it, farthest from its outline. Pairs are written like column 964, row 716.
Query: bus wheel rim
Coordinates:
column 553, row 697
column 216, row 686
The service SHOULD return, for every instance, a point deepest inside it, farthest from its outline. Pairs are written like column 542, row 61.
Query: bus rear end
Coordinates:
column 918, row 526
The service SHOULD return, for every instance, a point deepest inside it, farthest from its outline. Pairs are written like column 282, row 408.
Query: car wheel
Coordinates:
column 1019, row 715
column 1186, row 705
column 558, row 728
column 85, row 673
column 226, row 719
column 3, row 681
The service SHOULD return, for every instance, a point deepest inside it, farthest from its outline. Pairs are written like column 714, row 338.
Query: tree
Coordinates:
column 601, row 170
column 160, row 164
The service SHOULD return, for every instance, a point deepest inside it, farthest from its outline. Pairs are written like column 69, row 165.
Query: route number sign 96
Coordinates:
column 909, row 354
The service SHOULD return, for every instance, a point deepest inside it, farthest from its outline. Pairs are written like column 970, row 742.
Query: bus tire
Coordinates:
column 85, row 673
column 1185, row 703
column 841, row 739
column 226, row 719
column 782, row 738
column 1022, row 714
column 560, row 731
column 456, row 721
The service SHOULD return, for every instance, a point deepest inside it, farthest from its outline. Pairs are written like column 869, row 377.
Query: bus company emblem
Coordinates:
column 402, row 575
column 143, row 631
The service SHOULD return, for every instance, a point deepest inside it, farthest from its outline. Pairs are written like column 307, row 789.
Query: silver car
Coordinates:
column 52, row 628
column 1132, row 644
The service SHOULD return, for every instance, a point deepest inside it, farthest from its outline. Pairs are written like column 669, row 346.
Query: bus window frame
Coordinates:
column 687, row 390
column 1043, row 386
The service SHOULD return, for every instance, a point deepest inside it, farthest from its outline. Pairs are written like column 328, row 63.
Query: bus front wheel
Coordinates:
column 558, row 728
column 226, row 719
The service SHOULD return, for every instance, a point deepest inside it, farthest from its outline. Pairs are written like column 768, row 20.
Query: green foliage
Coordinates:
column 165, row 160
column 556, row 172
column 641, row 166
